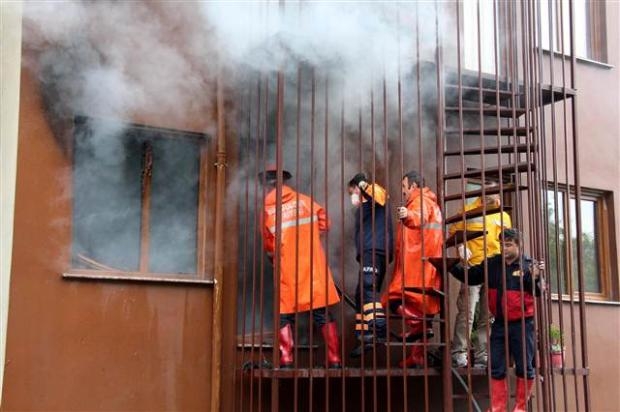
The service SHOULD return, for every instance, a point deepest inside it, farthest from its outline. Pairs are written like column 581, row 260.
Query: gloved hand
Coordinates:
column 464, row 252
column 402, row 212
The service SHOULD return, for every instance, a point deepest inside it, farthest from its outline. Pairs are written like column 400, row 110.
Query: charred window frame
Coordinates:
column 139, row 203
column 598, row 240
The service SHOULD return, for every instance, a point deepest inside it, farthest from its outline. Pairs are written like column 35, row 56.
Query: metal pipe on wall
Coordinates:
column 218, row 253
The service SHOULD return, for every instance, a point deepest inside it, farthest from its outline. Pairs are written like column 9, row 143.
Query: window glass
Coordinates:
column 176, row 164
column 556, row 241
column 591, row 273
column 558, row 248
column 135, row 199
column 106, row 205
column 487, row 35
column 560, row 22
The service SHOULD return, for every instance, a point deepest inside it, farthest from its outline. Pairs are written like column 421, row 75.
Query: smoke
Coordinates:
column 155, row 63
column 121, row 60
column 358, row 43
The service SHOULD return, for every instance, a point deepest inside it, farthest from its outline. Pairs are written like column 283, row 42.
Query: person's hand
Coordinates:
column 402, row 212
column 537, row 267
column 362, row 184
column 464, row 253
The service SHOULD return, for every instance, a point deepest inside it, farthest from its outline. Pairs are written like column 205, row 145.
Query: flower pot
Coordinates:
column 557, row 359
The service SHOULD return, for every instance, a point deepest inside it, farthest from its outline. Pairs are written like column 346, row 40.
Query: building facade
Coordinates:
column 133, row 272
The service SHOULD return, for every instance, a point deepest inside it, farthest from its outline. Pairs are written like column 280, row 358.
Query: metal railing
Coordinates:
column 471, row 135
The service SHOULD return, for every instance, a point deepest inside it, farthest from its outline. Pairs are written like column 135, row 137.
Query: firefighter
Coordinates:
column 373, row 242
column 515, row 307
column 306, row 282
column 469, row 296
column 419, row 236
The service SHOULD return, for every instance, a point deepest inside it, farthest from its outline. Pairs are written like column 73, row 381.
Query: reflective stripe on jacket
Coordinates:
column 305, row 277
column 419, row 236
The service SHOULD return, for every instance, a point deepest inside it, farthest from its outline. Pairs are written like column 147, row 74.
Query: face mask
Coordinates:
column 355, row 199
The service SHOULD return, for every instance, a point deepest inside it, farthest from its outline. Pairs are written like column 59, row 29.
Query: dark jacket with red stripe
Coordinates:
column 518, row 298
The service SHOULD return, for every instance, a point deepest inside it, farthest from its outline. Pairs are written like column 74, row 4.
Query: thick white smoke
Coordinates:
column 359, row 42
column 118, row 59
column 115, row 59
column 135, row 60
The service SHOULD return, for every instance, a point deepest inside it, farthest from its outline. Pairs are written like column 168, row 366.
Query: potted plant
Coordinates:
column 557, row 346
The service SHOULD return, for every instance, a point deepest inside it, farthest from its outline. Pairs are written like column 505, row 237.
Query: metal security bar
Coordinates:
column 360, row 208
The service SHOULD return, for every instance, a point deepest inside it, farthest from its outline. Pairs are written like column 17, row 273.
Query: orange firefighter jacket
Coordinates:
column 418, row 236
column 305, row 279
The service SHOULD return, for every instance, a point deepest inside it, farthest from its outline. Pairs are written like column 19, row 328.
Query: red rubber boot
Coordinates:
column 286, row 347
column 415, row 358
column 499, row 395
column 523, row 393
column 332, row 344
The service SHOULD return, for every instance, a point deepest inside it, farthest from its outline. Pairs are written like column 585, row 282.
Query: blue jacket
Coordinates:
column 521, row 288
column 378, row 236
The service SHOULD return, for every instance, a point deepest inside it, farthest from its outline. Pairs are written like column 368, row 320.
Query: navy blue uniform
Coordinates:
column 517, row 301
column 374, row 238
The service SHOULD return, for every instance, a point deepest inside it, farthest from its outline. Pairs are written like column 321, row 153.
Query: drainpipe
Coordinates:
column 220, row 186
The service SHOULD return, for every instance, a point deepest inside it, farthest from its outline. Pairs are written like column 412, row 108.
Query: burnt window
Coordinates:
column 136, row 199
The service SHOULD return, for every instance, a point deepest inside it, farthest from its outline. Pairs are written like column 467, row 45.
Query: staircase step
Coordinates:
column 519, row 148
column 472, row 93
column 494, row 131
column 460, row 236
column 509, row 187
column 488, row 111
column 491, row 171
column 477, row 212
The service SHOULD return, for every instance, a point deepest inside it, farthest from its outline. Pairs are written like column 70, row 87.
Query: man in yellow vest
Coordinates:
column 474, row 252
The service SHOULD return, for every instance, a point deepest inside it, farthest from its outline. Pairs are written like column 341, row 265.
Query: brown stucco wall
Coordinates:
column 598, row 129
column 90, row 345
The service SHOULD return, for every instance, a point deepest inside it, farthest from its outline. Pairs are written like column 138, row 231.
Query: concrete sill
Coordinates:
column 91, row 275
column 566, row 299
column 581, row 59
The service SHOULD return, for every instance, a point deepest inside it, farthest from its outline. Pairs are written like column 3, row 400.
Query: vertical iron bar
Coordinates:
column 297, row 200
column 372, row 234
column 555, row 177
column 568, row 236
column 310, row 321
column 244, row 150
column 275, row 397
column 440, row 166
column 361, row 312
column 326, row 184
column 387, row 245
column 540, row 200
column 359, row 281
column 255, row 240
column 498, row 124
column 342, row 242
column 261, row 336
column 422, row 225
column 483, row 189
column 402, row 167
column 576, row 171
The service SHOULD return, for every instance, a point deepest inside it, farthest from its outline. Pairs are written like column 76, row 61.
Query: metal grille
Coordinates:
column 506, row 128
